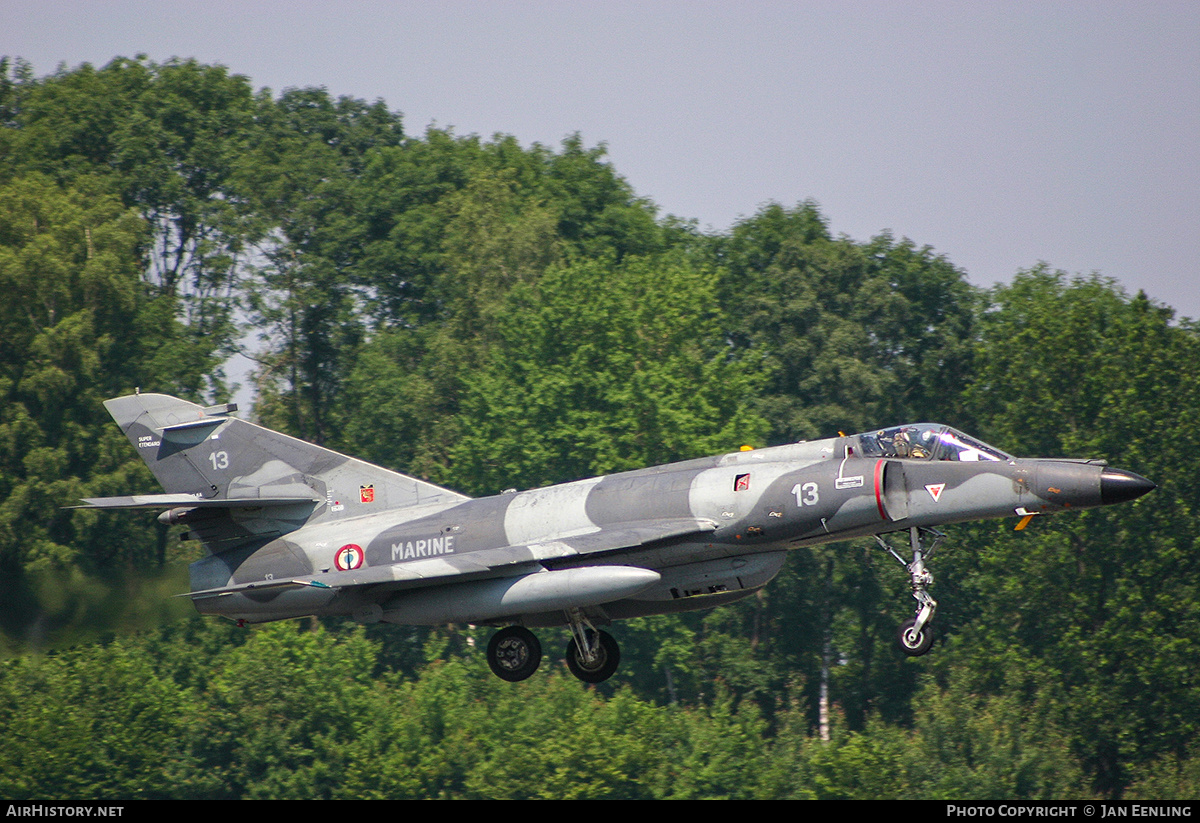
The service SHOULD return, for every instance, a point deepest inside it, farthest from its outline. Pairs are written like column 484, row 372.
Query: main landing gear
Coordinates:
column 593, row 655
column 514, row 653
column 915, row 636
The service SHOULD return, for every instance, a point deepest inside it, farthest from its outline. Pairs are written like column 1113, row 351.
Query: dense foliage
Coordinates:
column 486, row 315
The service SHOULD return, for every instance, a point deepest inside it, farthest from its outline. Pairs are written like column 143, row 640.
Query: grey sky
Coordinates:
column 999, row 133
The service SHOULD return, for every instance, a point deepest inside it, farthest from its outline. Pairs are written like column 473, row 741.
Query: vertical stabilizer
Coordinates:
column 206, row 453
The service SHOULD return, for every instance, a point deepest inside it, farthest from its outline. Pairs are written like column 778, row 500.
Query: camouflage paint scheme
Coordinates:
column 293, row 529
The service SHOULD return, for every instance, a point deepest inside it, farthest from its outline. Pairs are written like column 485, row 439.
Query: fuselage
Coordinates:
column 685, row 535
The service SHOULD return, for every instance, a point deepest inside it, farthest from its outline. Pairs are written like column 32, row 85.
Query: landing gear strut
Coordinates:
column 592, row 655
column 915, row 637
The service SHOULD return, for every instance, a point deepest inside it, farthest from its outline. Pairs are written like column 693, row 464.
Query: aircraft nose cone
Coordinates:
column 1117, row 486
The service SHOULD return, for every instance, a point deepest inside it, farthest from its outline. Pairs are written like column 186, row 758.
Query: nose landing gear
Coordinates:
column 915, row 636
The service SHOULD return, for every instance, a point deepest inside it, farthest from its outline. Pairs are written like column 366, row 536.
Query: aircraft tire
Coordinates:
column 604, row 668
column 914, row 644
column 514, row 653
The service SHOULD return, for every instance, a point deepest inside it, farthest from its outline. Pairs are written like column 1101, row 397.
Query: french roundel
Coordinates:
column 348, row 557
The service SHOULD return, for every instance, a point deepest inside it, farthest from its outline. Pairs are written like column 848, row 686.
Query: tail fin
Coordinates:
column 223, row 462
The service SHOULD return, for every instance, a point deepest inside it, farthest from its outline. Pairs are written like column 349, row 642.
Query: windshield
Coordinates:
column 928, row 441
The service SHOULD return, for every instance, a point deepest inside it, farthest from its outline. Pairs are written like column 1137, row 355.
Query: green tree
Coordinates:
column 99, row 722
column 165, row 138
column 1171, row 777
column 857, row 335
column 604, row 367
column 306, row 153
column 420, row 239
column 78, row 329
column 286, row 706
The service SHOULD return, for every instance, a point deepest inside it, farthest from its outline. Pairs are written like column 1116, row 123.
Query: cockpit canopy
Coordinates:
column 928, row 441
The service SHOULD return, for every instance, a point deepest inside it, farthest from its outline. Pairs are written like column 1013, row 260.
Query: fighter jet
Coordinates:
column 293, row 529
